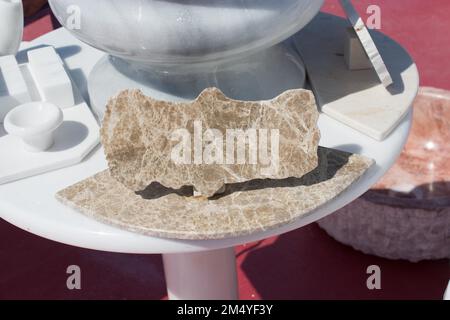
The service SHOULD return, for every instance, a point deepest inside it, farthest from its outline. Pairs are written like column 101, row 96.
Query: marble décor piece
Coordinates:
column 183, row 31
column 73, row 139
column 210, row 141
column 242, row 209
column 407, row 214
column 357, row 98
column 367, row 42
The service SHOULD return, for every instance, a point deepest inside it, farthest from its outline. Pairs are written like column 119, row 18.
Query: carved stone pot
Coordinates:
column 407, row 214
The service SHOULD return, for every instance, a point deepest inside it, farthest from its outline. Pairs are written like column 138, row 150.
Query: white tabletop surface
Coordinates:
column 30, row 203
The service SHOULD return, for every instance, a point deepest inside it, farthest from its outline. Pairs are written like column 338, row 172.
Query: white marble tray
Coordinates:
column 76, row 137
column 356, row 98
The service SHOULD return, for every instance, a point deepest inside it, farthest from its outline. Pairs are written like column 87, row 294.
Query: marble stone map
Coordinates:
column 211, row 141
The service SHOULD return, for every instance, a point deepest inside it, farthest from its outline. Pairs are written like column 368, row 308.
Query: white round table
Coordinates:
column 194, row 269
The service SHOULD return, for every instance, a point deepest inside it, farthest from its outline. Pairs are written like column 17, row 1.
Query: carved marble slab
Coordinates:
column 242, row 209
column 367, row 42
column 356, row 98
column 211, row 141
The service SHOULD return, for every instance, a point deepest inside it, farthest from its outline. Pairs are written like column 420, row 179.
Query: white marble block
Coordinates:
column 7, row 61
column 13, row 88
column 44, row 56
column 354, row 53
column 51, row 78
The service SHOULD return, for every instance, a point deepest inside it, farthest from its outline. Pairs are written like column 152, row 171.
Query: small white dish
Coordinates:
column 35, row 123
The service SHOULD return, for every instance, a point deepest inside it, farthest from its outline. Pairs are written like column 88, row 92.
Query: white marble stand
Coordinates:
column 194, row 269
column 201, row 275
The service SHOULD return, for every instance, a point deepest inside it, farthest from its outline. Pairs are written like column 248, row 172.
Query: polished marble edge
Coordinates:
column 247, row 208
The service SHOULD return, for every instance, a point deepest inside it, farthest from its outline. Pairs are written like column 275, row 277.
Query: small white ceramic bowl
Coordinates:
column 35, row 123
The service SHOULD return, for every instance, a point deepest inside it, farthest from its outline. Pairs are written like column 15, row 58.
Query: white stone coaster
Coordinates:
column 356, row 98
column 367, row 42
column 13, row 89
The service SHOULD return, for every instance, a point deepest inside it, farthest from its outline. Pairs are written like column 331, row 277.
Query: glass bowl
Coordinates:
column 166, row 32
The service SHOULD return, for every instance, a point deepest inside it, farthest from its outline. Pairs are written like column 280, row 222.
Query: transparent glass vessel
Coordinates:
column 172, row 49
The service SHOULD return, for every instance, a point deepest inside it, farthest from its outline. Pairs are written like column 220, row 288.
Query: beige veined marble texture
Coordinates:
column 178, row 143
column 242, row 208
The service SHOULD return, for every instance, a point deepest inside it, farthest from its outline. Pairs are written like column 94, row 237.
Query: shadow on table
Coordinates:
column 69, row 135
column 330, row 162
column 64, row 52
column 2, row 130
column 308, row 264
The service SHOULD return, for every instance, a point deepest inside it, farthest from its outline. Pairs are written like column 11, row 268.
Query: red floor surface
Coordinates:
column 303, row 264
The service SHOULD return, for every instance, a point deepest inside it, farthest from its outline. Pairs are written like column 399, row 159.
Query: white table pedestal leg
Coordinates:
column 203, row 275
